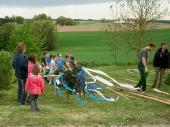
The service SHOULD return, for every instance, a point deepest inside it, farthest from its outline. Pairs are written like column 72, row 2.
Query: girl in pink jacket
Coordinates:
column 35, row 86
column 31, row 61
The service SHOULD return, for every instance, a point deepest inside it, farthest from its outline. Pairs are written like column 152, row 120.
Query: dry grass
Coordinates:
column 97, row 27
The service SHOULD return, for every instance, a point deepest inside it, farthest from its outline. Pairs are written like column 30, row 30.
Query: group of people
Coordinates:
column 161, row 63
column 30, row 73
column 31, row 79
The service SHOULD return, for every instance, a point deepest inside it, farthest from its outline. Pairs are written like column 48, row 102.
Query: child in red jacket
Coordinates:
column 32, row 59
column 35, row 86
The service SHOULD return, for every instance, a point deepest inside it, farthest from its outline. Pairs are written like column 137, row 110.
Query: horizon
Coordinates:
column 75, row 9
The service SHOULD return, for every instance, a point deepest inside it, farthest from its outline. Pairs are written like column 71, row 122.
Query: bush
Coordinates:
column 5, row 33
column 167, row 81
column 5, row 70
column 24, row 33
column 63, row 21
column 45, row 30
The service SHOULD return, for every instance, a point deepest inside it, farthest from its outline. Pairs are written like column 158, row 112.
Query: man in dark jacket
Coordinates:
column 21, row 72
column 160, row 63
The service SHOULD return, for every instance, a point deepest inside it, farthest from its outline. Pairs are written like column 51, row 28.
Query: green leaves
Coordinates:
column 46, row 32
column 6, row 73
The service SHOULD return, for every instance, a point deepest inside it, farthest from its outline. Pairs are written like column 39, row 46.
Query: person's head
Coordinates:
column 59, row 54
column 47, row 55
column 51, row 56
column 20, row 47
column 164, row 45
column 73, row 64
column 72, row 58
column 36, row 69
column 67, row 58
column 150, row 46
column 44, row 53
column 32, row 58
column 54, row 57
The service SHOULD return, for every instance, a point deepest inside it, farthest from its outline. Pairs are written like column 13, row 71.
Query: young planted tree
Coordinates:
column 139, row 16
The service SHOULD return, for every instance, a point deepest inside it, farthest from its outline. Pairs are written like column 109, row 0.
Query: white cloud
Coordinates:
column 91, row 11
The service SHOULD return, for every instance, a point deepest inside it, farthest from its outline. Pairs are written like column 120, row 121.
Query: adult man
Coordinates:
column 143, row 65
column 160, row 63
column 21, row 72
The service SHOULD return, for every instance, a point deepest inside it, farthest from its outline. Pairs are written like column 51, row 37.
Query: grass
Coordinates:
column 56, row 112
column 92, row 48
column 97, row 48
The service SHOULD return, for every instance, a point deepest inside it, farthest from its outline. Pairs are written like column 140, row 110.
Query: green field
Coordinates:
column 56, row 111
column 93, row 48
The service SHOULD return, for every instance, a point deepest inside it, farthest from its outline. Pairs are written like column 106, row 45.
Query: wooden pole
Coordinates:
column 149, row 97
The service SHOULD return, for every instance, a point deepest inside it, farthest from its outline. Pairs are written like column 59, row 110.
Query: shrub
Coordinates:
column 45, row 30
column 24, row 33
column 5, row 33
column 5, row 70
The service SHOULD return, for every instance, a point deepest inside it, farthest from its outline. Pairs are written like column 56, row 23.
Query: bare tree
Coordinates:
column 139, row 16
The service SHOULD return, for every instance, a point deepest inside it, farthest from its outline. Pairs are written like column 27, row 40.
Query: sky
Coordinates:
column 80, row 9
column 76, row 9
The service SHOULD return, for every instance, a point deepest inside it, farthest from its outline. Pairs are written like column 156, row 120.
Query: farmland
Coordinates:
column 94, row 47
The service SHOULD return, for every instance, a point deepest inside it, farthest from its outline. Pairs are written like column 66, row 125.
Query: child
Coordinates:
column 43, row 59
column 35, row 86
column 67, row 62
column 52, row 68
column 31, row 61
column 59, row 63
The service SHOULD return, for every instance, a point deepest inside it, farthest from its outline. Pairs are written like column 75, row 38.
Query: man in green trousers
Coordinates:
column 143, row 65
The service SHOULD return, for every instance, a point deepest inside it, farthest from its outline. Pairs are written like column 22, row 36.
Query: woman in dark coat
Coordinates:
column 21, row 71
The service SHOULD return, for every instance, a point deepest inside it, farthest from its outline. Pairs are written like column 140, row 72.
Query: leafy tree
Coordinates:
column 42, row 17
column 25, row 33
column 138, row 16
column 5, row 70
column 46, row 30
column 17, row 19
column 63, row 21
column 5, row 33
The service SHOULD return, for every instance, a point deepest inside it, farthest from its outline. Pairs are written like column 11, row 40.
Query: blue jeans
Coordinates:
column 21, row 96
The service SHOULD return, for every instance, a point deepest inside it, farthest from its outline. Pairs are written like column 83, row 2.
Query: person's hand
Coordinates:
column 146, row 69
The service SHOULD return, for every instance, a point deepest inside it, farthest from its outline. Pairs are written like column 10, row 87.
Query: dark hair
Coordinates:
column 72, row 58
column 20, row 47
column 151, row 45
column 66, row 56
column 164, row 43
column 44, row 53
column 36, row 69
column 51, row 56
column 33, row 58
column 54, row 56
